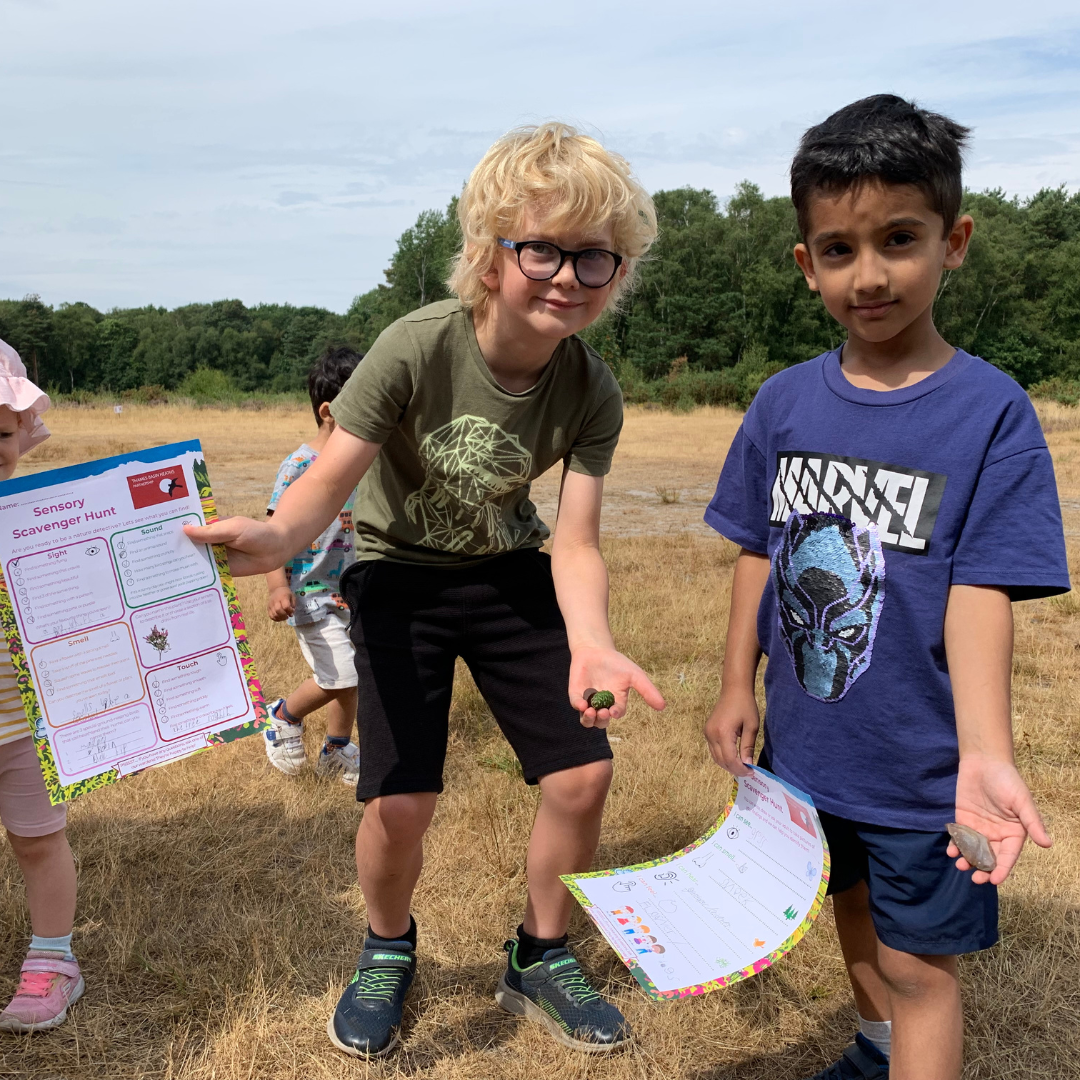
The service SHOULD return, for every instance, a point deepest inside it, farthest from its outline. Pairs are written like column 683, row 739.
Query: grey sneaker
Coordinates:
column 284, row 742
column 340, row 761
column 555, row 993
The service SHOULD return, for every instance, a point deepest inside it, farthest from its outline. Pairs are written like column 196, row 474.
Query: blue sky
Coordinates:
column 172, row 152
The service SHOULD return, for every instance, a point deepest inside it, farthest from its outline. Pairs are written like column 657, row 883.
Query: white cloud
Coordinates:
column 178, row 151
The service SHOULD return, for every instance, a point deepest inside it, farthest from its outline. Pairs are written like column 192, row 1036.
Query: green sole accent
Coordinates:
column 512, row 1001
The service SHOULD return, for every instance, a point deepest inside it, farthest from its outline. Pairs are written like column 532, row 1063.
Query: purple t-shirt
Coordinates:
column 870, row 505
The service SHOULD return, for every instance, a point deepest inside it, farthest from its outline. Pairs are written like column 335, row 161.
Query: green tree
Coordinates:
column 421, row 263
column 75, row 344
column 719, row 307
column 30, row 328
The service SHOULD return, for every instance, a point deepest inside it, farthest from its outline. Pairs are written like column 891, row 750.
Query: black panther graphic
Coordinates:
column 829, row 576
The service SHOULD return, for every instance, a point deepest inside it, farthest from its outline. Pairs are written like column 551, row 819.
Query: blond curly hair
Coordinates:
column 566, row 177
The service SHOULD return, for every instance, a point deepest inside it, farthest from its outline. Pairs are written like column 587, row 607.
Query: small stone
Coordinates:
column 586, row 694
column 973, row 846
column 600, row 699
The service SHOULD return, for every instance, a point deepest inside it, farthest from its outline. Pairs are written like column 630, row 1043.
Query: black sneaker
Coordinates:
column 367, row 1019
column 862, row 1060
column 555, row 992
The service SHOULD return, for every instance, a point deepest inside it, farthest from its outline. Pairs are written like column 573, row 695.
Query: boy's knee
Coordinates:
column 911, row 975
column 401, row 818
column 578, row 790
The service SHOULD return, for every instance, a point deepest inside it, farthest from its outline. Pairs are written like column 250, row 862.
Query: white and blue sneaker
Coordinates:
column 340, row 761
column 284, row 742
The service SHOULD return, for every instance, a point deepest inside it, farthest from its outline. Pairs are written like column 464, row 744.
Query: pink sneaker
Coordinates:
column 47, row 986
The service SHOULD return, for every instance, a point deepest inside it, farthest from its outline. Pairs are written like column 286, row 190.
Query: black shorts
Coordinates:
column 919, row 902
column 411, row 623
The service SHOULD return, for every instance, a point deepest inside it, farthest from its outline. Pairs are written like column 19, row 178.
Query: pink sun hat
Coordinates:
column 20, row 395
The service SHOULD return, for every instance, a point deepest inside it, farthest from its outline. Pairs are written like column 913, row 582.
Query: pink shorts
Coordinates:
column 25, row 809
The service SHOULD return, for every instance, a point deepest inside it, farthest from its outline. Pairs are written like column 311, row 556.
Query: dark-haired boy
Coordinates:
column 891, row 498
column 305, row 592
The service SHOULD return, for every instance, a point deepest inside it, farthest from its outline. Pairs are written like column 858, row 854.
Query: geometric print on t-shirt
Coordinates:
column 471, row 465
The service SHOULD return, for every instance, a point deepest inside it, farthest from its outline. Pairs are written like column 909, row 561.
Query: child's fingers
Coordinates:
column 747, row 739
column 1032, row 821
column 724, row 747
column 1008, row 851
column 225, row 531
column 961, row 863
column 649, row 694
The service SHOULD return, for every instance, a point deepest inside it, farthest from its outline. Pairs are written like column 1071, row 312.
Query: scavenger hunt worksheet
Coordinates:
column 127, row 640
column 725, row 907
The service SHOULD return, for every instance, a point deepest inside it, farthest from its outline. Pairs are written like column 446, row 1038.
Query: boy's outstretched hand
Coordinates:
column 992, row 798
column 608, row 669
column 252, row 546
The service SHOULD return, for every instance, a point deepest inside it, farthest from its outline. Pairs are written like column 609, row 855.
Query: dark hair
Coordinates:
column 882, row 138
column 330, row 373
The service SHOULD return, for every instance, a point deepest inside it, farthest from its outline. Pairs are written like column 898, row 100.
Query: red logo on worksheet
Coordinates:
column 800, row 815
column 160, row 486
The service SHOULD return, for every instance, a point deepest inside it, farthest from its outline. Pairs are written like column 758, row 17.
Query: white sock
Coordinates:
column 879, row 1032
column 53, row 944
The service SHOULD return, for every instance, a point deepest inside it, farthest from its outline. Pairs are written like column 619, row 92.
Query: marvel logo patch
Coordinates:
column 902, row 502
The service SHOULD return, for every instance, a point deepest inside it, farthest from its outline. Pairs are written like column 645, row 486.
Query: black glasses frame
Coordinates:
column 573, row 256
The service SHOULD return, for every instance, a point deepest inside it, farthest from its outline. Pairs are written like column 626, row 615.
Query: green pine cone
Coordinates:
column 602, row 699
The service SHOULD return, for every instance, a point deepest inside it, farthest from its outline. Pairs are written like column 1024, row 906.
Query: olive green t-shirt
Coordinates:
column 451, row 483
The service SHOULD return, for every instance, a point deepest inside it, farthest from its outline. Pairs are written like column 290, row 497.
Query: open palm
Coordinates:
column 992, row 798
column 608, row 669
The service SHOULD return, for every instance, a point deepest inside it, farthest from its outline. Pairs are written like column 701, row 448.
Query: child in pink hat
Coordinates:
column 50, row 979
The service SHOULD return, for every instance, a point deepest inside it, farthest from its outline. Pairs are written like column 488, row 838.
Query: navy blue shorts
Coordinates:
column 919, row 901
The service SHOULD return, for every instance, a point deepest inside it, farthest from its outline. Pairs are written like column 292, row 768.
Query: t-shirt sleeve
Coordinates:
column 287, row 472
column 373, row 401
column 1012, row 536
column 594, row 447
column 739, row 510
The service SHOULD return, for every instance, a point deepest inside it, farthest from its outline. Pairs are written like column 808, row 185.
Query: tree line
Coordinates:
column 719, row 306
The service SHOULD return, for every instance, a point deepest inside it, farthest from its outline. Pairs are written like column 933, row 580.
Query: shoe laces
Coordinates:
column 574, row 984
column 35, row 983
column 378, row 984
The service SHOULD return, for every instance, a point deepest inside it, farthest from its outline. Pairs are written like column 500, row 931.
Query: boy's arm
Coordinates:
column 731, row 730
column 991, row 797
column 281, row 602
column 581, row 585
column 304, row 510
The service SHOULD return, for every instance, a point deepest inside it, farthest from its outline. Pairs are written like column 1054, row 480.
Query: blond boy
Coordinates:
column 456, row 409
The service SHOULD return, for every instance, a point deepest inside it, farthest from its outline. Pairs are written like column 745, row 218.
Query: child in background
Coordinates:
column 891, row 497
column 305, row 592
column 50, row 979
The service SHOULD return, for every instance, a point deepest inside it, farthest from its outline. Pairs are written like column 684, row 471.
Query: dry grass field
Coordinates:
column 219, row 914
